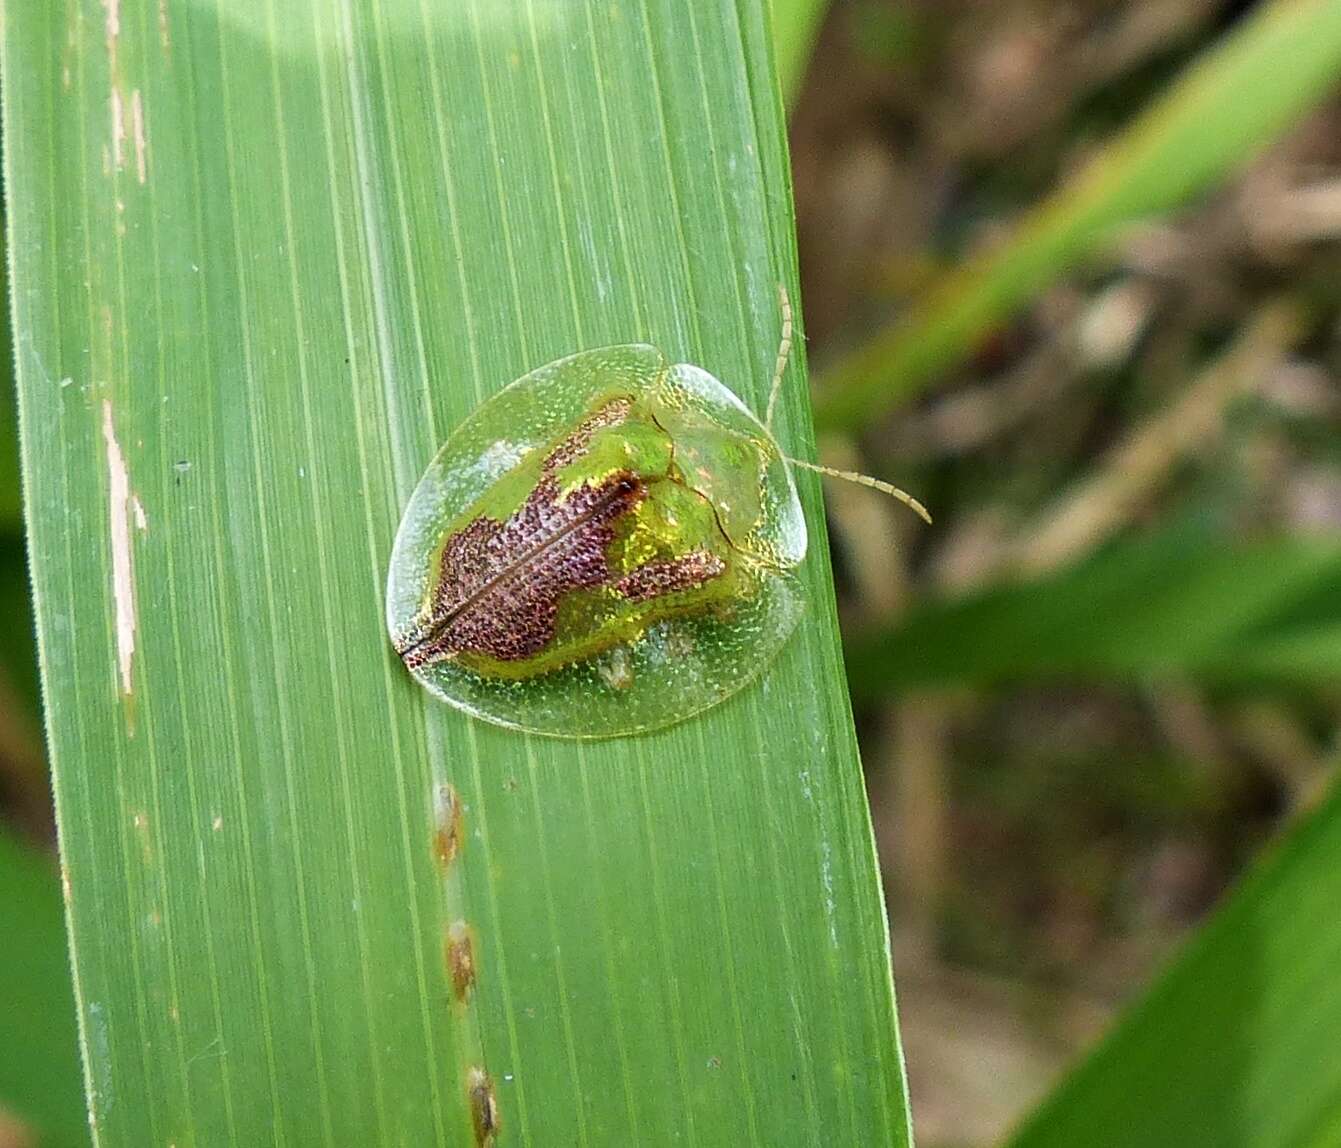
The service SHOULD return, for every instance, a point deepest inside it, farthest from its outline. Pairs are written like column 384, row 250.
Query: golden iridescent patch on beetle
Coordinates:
column 603, row 548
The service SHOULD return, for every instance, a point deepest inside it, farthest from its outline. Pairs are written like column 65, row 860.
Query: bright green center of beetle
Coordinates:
column 635, row 516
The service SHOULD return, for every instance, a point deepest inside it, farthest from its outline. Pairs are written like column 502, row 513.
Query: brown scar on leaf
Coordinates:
column 460, row 953
column 483, row 1106
column 447, row 837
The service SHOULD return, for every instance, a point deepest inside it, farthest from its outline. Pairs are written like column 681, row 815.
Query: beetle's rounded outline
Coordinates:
column 679, row 666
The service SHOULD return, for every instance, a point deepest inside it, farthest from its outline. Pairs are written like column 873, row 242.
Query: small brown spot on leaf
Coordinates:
column 483, row 1106
column 447, row 836
column 460, row 953
column 14, row 1133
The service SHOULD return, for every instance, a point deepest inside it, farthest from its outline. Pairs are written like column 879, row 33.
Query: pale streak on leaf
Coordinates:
column 118, row 128
column 141, row 141
column 120, row 502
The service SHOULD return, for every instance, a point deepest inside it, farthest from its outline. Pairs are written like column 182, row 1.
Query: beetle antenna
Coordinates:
column 866, row 480
column 784, row 353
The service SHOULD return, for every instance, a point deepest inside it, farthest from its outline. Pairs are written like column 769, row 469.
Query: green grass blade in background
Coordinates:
column 1174, row 605
column 39, row 1073
column 1235, row 1047
column 280, row 250
column 1229, row 105
column 796, row 24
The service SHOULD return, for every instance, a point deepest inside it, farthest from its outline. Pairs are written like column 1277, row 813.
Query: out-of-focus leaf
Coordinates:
column 1236, row 1046
column 39, row 1052
column 1280, row 62
column 1171, row 606
column 796, row 24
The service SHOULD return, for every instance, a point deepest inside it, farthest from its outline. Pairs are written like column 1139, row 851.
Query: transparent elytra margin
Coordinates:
column 676, row 667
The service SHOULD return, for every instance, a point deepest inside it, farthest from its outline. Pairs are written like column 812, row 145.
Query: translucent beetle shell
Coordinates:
column 602, row 548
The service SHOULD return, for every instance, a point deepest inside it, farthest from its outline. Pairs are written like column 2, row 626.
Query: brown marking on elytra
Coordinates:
column 655, row 579
column 459, row 951
column 500, row 583
column 611, row 414
column 164, row 33
column 483, row 1107
column 447, row 836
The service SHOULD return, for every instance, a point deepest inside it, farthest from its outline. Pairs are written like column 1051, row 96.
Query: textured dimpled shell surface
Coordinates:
column 600, row 549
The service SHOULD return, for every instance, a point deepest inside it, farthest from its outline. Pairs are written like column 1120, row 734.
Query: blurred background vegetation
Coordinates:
column 1111, row 673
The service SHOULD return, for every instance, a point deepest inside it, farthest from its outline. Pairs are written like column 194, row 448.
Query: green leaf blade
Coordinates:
column 1235, row 1044
column 1177, row 605
column 356, row 221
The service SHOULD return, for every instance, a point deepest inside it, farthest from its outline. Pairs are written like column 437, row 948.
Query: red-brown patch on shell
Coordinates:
column 654, row 579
